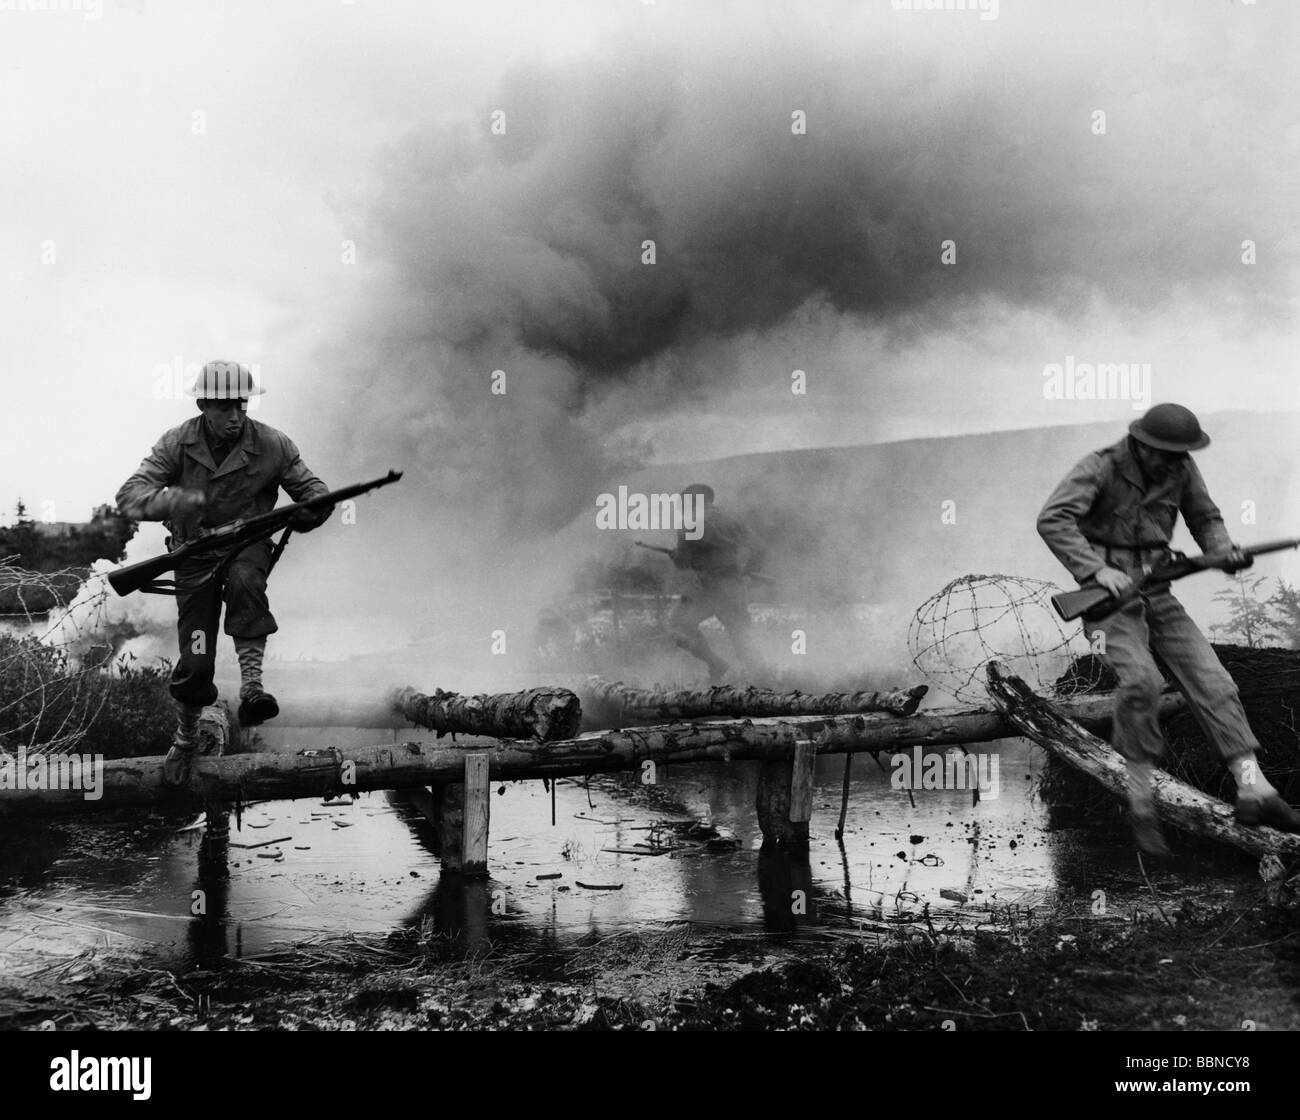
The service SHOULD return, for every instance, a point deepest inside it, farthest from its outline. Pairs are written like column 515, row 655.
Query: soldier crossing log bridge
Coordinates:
column 311, row 773
column 450, row 782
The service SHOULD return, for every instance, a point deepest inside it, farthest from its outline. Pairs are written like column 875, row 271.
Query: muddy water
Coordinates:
column 127, row 883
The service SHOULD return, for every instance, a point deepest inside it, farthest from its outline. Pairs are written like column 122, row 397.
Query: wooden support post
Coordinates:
column 478, row 793
column 801, row 782
column 775, row 801
column 449, row 811
column 214, row 847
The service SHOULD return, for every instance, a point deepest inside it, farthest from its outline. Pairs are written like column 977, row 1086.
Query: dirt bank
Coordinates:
column 1202, row 967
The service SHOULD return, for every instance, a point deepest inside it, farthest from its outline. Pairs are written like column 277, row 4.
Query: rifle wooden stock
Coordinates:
column 1092, row 603
column 1075, row 604
column 140, row 574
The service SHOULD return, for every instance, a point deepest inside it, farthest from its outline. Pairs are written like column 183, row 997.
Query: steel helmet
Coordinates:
column 224, row 381
column 1169, row 427
column 699, row 488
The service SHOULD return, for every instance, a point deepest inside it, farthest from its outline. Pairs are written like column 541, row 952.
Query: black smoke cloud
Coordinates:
column 522, row 252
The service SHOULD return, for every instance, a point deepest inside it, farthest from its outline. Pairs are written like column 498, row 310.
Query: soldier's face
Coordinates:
column 225, row 419
column 1159, row 464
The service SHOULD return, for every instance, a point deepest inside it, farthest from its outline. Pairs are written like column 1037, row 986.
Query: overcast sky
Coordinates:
column 179, row 181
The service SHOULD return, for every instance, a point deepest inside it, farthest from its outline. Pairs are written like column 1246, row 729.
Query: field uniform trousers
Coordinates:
column 1158, row 621
column 242, row 587
column 721, row 597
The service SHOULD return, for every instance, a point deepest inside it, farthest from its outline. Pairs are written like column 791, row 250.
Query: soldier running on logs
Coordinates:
column 213, row 469
column 717, row 563
column 1109, row 521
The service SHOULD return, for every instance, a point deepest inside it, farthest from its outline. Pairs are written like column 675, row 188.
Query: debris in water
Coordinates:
column 599, row 886
column 951, row 895
column 552, row 875
column 260, row 843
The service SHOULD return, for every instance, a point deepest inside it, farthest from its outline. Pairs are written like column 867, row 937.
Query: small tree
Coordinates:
column 1249, row 620
column 1285, row 603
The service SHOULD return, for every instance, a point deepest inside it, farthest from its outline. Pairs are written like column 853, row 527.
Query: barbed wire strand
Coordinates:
column 56, row 655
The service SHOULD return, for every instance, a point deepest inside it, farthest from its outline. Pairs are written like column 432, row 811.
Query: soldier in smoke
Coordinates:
column 1109, row 522
column 208, row 471
column 719, row 562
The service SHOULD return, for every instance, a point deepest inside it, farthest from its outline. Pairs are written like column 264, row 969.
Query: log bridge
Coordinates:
column 449, row 783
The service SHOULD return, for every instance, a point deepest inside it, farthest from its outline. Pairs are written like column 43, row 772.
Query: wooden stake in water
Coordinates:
column 478, row 797
column 844, row 797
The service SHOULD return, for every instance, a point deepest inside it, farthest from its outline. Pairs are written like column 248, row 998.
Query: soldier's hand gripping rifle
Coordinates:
column 1093, row 603
column 223, row 542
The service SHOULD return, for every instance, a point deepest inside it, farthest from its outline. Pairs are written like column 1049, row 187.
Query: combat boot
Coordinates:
column 176, row 766
column 1270, row 810
column 256, row 706
column 1147, row 834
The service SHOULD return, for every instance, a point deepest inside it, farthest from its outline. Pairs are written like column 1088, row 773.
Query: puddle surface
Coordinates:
column 128, row 881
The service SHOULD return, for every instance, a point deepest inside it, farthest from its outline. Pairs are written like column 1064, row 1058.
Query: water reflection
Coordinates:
column 294, row 870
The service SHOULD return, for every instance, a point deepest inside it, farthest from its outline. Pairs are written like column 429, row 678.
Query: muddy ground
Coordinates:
column 1200, row 967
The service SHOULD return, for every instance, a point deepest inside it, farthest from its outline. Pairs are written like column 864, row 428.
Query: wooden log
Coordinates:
column 627, row 704
column 1181, row 805
column 544, row 714
column 478, row 795
column 314, row 773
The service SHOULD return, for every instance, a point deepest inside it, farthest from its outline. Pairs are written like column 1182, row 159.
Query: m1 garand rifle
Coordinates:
column 1093, row 603
column 671, row 553
column 225, row 541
